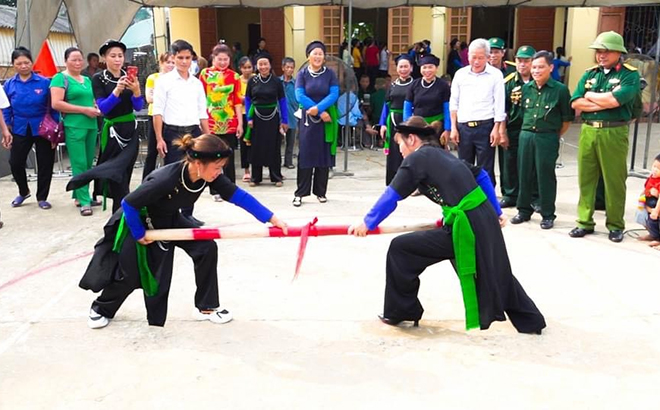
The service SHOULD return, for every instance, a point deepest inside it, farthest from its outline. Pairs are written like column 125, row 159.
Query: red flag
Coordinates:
column 45, row 63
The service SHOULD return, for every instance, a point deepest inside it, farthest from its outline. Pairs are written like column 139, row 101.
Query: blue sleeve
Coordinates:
column 407, row 110
column 284, row 111
column 138, row 102
column 246, row 201
column 108, row 103
column 447, row 120
column 458, row 63
column 248, row 103
column 564, row 63
column 385, row 205
column 487, row 186
column 8, row 113
column 330, row 99
column 384, row 114
column 133, row 220
column 303, row 99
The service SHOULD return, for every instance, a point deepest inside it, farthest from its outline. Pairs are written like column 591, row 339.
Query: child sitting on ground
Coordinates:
column 652, row 205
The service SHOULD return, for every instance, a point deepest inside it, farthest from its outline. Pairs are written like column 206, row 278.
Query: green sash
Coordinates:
column 388, row 125
column 465, row 252
column 107, row 123
column 248, row 134
column 432, row 118
column 147, row 279
column 332, row 129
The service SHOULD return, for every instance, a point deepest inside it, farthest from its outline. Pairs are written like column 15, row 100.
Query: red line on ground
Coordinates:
column 43, row 269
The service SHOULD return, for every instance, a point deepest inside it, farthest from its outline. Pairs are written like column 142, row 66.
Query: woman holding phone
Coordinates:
column 117, row 94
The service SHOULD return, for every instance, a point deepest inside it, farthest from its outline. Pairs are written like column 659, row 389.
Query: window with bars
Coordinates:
column 331, row 23
column 459, row 23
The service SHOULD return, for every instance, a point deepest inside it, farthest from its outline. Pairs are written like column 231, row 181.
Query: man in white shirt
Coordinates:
column 6, row 135
column 179, row 104
column 477, row 109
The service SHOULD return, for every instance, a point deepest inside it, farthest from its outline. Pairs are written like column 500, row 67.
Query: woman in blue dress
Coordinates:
column 317, row 90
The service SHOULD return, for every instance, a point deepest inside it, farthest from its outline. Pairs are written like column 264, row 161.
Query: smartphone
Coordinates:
column 132, row 72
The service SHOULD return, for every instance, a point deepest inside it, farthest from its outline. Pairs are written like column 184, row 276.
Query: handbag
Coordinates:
column 49, row 129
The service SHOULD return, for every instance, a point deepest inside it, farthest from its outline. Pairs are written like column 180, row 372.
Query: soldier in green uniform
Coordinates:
column 547, row 114
column 508, row 158
column 497, row 52
column 605, row 94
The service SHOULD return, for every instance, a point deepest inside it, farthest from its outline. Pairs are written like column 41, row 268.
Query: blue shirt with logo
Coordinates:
column 29, row 101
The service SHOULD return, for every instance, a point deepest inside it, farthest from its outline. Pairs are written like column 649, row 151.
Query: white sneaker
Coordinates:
column 218, row 316
column 96, row 320
column 217, row 198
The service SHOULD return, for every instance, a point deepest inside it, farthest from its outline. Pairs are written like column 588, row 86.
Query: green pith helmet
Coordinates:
column 609, row 40
column 525, row 52
column 496, row 42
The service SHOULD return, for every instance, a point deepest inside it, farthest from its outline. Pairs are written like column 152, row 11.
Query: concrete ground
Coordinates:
column 315, row 343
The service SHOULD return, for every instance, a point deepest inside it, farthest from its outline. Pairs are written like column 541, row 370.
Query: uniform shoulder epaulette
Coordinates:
column 630, row 67
column 591, row 68
column 510, row 63
column 509, row 77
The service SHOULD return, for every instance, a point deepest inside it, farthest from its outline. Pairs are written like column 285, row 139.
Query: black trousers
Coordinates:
column 20, row 150
column 475, row 144
column 170, row 133
column 174, row 154
column 393, row 162
column 312, row 180
column 290, row 141
column 205, row 258
column 230, row 169
column 152, row 152
column 410, row 254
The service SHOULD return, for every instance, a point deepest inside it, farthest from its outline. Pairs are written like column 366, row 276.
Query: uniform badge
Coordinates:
column 590, row 83
column 614, row 81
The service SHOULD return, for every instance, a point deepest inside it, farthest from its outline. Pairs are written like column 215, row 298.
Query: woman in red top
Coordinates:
column 222, row 86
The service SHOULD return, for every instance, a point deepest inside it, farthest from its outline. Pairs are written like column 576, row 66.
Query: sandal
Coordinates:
column 246, row 178
column 322, row 199
column 18, row 201
column 86, row 211
column 45, row 205
column 279, row 184
column 94, row 202
column 297, row 201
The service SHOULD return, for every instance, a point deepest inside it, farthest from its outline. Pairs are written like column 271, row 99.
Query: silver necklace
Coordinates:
column 264, row 82
column 183, row 182
column 108, row 78
column 408, row 82
column 313, row 74
column 430, row 85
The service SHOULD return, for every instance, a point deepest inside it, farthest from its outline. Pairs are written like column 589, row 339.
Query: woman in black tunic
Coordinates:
column 265, row 105
column 392, row 114
column 117, row 96
column 428, row 97
column 124, row 260
column 471, row 238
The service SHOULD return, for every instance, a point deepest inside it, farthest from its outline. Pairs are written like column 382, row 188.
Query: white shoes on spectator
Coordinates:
column 218, row 315
column 96, row 320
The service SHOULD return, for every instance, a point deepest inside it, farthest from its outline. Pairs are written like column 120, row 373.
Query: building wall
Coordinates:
column 581, row 31
column 233, row 25
column 184, row 24
column 272, row 29
column 558, row 38
column 160, row 30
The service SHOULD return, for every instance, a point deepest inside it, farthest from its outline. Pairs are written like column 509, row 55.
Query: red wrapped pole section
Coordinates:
column 262, row 231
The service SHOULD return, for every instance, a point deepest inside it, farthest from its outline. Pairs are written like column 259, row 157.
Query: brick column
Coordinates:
column 272, row 29
column 208, row 31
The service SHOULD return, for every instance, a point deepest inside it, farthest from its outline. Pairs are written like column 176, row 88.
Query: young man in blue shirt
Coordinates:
column 289, row 82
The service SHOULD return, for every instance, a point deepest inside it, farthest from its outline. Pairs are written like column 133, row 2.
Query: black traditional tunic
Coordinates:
column 446, row 180
column 395, row 98
column 428, row 99
column 264, row 96
column 119, row 137
column 163, row 193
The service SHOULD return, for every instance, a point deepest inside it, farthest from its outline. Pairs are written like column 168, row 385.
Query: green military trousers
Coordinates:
column 537, row 158
column 602, row 151
column 508, row 160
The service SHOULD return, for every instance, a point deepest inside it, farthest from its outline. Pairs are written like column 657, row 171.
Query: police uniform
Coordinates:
column 508, row 67
column 603, row 142
column 545, row 109
column 508, row 158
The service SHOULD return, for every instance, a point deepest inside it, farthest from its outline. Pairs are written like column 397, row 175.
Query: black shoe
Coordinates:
column 507, row 203
column 518, row 219
column 547, row 224
column 580, row 232
column 395, row 322
column 195, row 220
column 290, row 166
column 616, row 236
